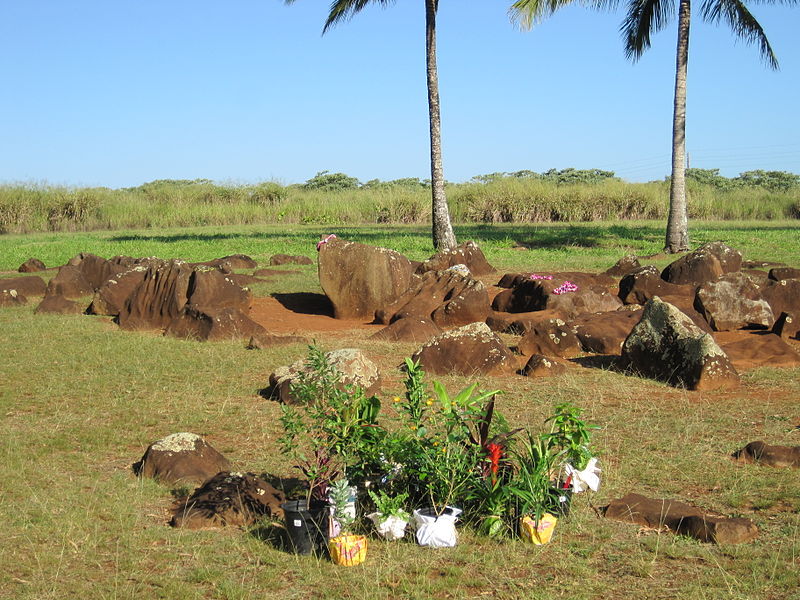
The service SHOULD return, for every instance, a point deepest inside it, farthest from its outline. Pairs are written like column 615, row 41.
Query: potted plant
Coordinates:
column 390, row 518
column 346, row 549
column 536, row 498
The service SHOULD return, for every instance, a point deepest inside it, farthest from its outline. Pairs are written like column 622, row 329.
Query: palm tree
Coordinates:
column 645, row 17
column 442, row 230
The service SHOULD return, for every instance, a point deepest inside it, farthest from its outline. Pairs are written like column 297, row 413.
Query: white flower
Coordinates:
column 588, row 478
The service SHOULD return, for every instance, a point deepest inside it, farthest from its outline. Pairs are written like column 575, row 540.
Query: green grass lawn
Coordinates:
column 80, row 400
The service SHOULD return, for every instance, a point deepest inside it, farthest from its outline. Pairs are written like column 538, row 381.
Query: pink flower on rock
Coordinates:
column 565, row 287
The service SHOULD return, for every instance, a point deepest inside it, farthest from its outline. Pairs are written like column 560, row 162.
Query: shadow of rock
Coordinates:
column 306, row 303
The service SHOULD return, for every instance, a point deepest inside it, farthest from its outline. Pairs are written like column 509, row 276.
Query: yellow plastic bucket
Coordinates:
column 348, row 550
column 540, row 533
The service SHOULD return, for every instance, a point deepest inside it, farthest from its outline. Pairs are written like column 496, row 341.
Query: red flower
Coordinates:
column 494, row 454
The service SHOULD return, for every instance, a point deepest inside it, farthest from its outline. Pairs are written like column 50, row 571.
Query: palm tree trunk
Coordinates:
column 443, row 236
column 678, row 222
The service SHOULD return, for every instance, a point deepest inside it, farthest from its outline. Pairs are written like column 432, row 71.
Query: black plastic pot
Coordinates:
column 306, row 526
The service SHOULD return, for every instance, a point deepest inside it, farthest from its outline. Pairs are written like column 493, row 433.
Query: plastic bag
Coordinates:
column 588, row 478
column 389, row 528
column 437, row 531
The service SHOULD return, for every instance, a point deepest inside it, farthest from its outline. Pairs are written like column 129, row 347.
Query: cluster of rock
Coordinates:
column 663, row 324
column 202, row 301
column 222, row 497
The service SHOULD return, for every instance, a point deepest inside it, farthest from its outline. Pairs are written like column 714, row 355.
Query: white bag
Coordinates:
column 437, row 531
column 389, row 528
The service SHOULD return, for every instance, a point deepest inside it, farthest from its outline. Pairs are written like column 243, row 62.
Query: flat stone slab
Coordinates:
column 772, row 456
column 681, row 518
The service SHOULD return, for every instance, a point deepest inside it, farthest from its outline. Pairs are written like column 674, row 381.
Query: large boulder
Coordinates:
column 212, row 289
column 354, row 368
column 681, row 518
column 409, row 329
column 626, row 264
column 786, row 326
column 32, row 265
column 779, row 273
column 666, row 345
column 447, row 298
column 640, row 285
column 181, row 458
column 542, row 366
column 520, row 323
column 749, row 349
column 94, row 269
column 360, row 279
column 159, row 298
column 33, row 285
column 469, row 350
column 468, row 254
column 733, row 302
column 579, row 294
column 229, row 499
column 769, row 455
column 707, row 263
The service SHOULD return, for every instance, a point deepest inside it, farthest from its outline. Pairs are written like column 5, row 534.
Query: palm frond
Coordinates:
column 644, row 18
column 743, row 24
column 342, row 10
column 527, row 13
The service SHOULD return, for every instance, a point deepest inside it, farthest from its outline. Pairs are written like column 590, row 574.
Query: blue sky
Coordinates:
column 120, row 92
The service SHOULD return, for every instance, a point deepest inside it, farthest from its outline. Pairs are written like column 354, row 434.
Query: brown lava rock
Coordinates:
column 470, row 350
column 772, row 456
column 468, row 254
column 707, row 263
column 32, row 285
column 681, row 518
column 181, row 458
column 542, row 366
column 229, row 499
column 288, row 259
column 408, row 329
column 32, row 265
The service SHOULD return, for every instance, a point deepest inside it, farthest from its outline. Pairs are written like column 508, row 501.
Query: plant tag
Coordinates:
column 297, row 523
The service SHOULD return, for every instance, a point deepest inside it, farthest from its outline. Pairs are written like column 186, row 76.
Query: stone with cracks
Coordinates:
column 159, row 298
column 32, row 285
column 550, row 338
column 468, row 254
column 771, row 456
column 289, row 259
column 639, row 286
column 542, row 366
column 470, row 350
column 353, row 365
column 229, row 499
column 111, row 296
column 448, row 298
column 181, row 458
column 666, row 345
column 212, row 289
column 409, row 329
column 360, row 279
column 681, row 518
column 707, row 263
column 733, row 302
column 94, row 269
column 32, row 265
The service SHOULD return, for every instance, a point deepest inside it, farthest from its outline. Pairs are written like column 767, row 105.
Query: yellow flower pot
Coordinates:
column 348, row 550
column 540, row 533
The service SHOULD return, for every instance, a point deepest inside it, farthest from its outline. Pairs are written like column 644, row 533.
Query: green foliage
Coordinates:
column 390, row 505
column 331, row 182
column 570, row 436
column 339, row 495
